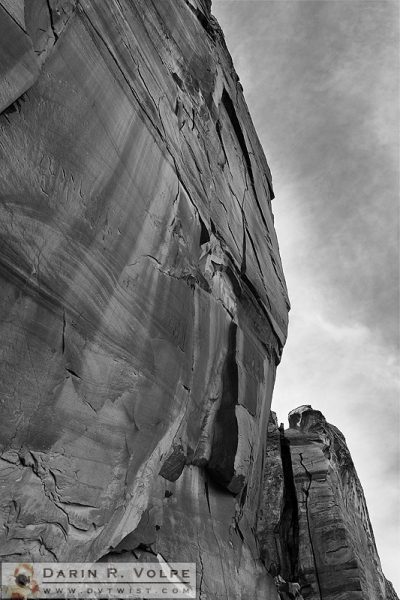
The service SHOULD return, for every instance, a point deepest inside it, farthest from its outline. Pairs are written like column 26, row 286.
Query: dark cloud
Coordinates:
column 322, row 86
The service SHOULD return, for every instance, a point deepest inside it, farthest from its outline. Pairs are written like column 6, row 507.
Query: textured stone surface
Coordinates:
column 143, row 306
column 277, row 519
column 326, row 542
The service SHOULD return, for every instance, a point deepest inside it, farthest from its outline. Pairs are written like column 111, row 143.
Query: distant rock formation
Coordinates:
column 313, row 523
column 144, row 308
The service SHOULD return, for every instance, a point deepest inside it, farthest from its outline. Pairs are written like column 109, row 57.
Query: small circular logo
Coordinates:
column 24, row 584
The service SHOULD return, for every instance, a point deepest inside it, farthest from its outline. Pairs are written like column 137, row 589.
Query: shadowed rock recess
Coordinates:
column 144, row 309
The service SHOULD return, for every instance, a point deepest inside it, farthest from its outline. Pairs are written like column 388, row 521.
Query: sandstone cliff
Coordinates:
column 144, row 312
column 313, row 521
column 143, row 306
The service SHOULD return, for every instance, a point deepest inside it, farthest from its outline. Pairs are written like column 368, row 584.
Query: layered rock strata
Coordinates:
column 143, row 306
column 313, row 522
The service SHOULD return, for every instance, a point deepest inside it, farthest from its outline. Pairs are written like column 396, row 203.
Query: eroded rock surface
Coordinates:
column 318, row 530
column 143, row 306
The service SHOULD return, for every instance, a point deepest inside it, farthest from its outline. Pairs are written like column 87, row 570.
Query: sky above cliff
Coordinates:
column 321, row 81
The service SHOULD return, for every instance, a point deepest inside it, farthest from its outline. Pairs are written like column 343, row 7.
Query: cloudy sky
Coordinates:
column 321, row 81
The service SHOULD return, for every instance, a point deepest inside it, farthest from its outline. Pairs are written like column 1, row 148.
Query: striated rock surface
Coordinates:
column 318, row 531
column 143, row 305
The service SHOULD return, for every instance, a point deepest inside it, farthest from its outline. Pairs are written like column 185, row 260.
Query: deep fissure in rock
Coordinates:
column 289, row 522
column 221, row 465
column 307, row 493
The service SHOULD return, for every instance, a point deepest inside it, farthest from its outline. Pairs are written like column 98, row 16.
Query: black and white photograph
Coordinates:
column 200, row 299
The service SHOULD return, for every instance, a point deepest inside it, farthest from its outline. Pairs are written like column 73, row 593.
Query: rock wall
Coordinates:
column 144, row 312
column 317, row 529
column 143, row 306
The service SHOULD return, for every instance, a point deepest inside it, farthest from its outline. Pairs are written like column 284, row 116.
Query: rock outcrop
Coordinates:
column 313, row 523
column 143, row 306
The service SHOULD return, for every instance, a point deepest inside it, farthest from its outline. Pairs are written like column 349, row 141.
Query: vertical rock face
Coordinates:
column 318, row 532
column 143, row 306
column 143, row 315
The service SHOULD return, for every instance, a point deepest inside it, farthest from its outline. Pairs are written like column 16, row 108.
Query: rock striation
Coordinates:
column 143, row 307
column 313, row 522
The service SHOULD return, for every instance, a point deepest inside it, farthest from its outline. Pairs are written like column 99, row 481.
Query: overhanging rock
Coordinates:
column 144, row 308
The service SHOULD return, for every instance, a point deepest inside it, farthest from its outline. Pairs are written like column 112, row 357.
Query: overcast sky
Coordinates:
column 321, row 79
